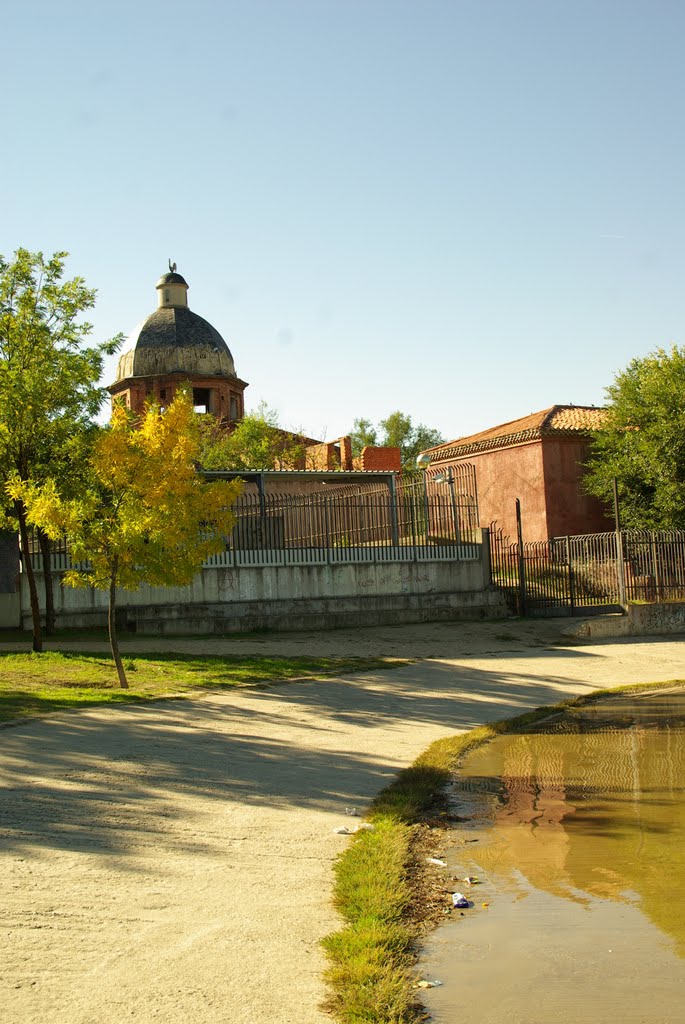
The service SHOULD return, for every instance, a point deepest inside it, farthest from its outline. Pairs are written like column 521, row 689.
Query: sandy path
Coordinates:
column 173, row 863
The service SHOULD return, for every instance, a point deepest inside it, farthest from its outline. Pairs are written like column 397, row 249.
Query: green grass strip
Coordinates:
column 37, row 684
column 371, row 958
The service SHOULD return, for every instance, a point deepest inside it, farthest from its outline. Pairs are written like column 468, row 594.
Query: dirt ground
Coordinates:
column 172, row 862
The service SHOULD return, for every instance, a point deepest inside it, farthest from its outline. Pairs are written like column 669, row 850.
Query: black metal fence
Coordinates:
column 566, row 575
column 417, row 518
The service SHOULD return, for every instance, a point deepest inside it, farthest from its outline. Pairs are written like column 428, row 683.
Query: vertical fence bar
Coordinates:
column 522, row 562
column 426, row 510
column 621, row 568
column 394, row 526
column 655, row 568
column 571, row 586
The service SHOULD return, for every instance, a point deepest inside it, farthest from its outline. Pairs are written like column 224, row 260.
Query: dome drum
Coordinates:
column 218, row 396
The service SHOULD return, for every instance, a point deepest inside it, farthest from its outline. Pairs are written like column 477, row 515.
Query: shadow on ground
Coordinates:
column 103, row 780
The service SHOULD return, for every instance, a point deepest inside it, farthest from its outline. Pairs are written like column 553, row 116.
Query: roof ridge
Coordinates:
column 550, row 414
column 500, row 427
column 553, row 421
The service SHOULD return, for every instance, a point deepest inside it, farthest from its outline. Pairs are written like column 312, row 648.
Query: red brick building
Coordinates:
column 540, row 460
column 175, row 347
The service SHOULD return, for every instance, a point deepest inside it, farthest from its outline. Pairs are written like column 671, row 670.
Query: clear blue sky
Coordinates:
column 465, row 210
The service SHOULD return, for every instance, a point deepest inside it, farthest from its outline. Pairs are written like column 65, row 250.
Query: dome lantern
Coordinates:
column 172, row 289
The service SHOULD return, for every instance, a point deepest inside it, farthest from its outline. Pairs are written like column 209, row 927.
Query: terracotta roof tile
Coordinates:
column 576, row 417
column 558, row 419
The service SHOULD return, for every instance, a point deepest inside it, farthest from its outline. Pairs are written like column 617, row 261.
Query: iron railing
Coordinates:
column 600, row 570
column 417, row 519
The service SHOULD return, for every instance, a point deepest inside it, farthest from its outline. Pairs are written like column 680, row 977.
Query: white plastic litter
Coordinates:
column 345, row 830
column 459, row 900
column 429, row 984
column 352, row 811
column 437, row 861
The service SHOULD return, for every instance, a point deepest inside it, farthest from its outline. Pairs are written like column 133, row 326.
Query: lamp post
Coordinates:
column 423, row 461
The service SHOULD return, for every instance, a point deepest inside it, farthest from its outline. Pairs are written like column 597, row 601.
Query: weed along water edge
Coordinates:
column 424, row 864
column 571, row 843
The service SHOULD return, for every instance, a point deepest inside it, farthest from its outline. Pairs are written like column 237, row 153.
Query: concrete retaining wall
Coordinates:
column 10, row 611
column 637, row 620
column 656, row 618
column 288, row 597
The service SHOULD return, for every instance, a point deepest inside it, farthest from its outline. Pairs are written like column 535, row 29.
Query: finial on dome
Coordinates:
column 172, row 267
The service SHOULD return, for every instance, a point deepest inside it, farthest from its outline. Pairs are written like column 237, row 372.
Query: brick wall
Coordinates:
column 387, row 459
column 330, row 455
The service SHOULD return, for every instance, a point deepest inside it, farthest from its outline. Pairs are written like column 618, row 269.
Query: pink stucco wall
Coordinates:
column 546, row 476
column 569, row 509
column 504, row 475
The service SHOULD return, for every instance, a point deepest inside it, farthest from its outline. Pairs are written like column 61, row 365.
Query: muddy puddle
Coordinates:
column 576, row 833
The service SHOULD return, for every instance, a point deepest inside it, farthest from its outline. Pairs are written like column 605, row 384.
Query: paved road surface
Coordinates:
column 172, row 863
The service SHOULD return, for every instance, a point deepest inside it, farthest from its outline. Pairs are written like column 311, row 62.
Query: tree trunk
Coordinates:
column 28, row 569
column 113, row 639
column 45, row 551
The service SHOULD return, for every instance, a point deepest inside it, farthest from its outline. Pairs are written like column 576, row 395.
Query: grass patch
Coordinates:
column 371, row 959
column 34, row 684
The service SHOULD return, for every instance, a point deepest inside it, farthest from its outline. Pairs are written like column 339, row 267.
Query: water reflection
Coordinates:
column 577, row 831
column 592, row 805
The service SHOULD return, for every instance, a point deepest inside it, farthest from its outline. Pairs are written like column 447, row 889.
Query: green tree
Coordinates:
column 49, row 376
column 362, row 435
column 146, row 516
column 396, row 431
column 642, row 443
column 258, row 442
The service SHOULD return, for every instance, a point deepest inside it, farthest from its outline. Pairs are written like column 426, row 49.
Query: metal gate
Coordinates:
column 600, row 571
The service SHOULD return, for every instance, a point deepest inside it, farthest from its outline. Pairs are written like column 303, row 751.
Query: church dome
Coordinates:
column 173, row 339
column 171, row 278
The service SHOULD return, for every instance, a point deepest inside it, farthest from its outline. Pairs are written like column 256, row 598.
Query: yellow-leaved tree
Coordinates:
column 145, row 513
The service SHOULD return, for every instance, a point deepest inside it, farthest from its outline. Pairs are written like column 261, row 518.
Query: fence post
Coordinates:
column 395, row 533
column 571, row 588
column 620, row 565
column 426, row 511
column 521, row 560
column 327, row 531
column 455, row 513
column 486, row 553
column 655, row 569
column 412, row 520
column 619, row 548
